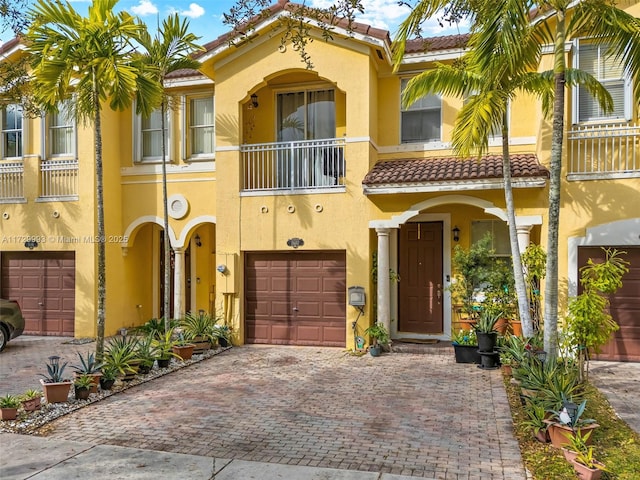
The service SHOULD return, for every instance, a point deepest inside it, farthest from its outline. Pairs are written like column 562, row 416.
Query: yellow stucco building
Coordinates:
column 287, row 184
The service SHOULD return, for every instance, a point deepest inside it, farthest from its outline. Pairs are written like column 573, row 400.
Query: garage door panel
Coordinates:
column 44, row 285
column 311, row 282
column 625, row 307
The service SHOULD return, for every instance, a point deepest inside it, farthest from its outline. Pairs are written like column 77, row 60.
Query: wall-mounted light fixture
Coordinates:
column 198, row 241
column 456, row 233
column 254, row 100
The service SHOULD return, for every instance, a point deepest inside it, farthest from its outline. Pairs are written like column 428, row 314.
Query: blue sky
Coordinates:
column 205, row 16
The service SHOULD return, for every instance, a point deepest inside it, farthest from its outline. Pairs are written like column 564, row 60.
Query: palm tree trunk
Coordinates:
column 518, row 275
column 102, row 279
column 551, row 283
column 165, row 218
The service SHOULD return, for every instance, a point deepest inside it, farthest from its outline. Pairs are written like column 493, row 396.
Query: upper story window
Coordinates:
column 61, row 132
column 308, row 115
column 596, row 60
column 200, row 128
column 421, row 122
column 12, row 133
column 149, row 137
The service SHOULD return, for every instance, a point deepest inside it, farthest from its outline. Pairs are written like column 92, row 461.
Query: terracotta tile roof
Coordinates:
column 281, row 5
column 430, row 44
column 9, row 44
column 423, row 170
column 185, row 73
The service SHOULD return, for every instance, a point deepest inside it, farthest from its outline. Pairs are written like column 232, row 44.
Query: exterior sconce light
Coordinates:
column 254, row 100
column 456, row 233
column 198, row 241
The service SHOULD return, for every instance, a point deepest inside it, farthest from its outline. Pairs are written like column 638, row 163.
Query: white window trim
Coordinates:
column 628, row 103
column 186, row 148
column 427, row 143
column 137, row 143
column 23, row 137
column 46, row 140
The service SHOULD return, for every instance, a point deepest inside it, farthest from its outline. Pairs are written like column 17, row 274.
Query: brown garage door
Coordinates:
column 44, row 285
column 625, row 307
column 296, row 298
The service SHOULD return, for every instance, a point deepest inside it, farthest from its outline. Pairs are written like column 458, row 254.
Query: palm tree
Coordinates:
column 489, row 82
column 169, row 51
column 599, row 19
column 89, row 58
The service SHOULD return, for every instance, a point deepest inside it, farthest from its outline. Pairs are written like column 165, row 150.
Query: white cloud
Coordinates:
column 194, row 11
column 145, row 7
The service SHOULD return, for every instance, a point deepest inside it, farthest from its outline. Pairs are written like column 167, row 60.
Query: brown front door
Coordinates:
column 625, row 306
column 43, row 283
column 420, row 286
column 296, row 298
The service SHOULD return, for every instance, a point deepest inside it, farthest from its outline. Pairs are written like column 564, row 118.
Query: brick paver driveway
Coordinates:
column 419, row 415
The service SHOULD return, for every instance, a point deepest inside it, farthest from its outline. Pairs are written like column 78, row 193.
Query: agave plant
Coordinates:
column 88, row 364
column 55, row 370
column 120, row 355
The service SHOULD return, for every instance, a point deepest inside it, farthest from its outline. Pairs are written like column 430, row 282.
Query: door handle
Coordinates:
column 296, row 309
column 439, row 292
column 41, row 304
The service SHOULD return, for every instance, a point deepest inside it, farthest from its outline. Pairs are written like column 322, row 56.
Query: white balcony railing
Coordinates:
column 291, row 166
column 58, row 179
column 604, row 151
column 11, row 181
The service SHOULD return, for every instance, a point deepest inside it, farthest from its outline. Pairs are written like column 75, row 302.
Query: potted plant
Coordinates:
column 577, row 444
column 487, row 339
column 223, row 334
column 164, row 348
column 146, row 354
column 182, row 348
column 465, row 346
column 586, row 466
column 379, row 337
column 108, row 378
column 82, row 385
column 535, row 422
column 120, row 356
column 566, row 423
column 89, row 366
column 55, row 387
column 199, row 330
column 31, row 400
column 9, row 407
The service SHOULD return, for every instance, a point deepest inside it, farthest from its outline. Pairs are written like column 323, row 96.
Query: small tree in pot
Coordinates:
column 55, row 386
column 379, row 337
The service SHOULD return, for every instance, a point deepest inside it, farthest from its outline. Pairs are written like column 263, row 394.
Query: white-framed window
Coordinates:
column 306, row 115
column 61, row 132
column 596, row 60
column 422, row 120
column 200, row 128
column 149, row 137
column 499, row 231
column 12, row 131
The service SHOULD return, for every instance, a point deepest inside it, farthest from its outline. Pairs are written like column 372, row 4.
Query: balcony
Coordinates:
column 599, row 152
column 299, row 166
column 12, row 181
column 58, row 180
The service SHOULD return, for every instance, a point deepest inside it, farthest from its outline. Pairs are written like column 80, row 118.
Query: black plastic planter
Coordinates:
column 466, row 353
column 487, row 341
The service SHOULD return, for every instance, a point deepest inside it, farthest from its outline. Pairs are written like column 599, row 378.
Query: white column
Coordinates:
column 384, row 301
column 178, row 283
column 523, row 236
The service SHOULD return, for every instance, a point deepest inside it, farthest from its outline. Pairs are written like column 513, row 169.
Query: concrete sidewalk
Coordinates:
column 29, row 457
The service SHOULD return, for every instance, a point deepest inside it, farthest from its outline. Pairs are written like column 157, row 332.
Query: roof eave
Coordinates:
column 453, row 186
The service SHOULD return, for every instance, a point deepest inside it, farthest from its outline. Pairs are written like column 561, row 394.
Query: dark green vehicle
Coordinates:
column 11, row 321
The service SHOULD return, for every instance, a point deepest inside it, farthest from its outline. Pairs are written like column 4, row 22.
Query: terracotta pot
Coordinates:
column 501, row 325
column 542, row 436
column 201, row 345
column 507, row 369
column 185, row 352
column 95, row 377
column 516, row 327
column 466, row 324
column 8, row 413
column 569, row 455
column 560, row 434
column 56, row 392
column 586, row 473
column 31, row 405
